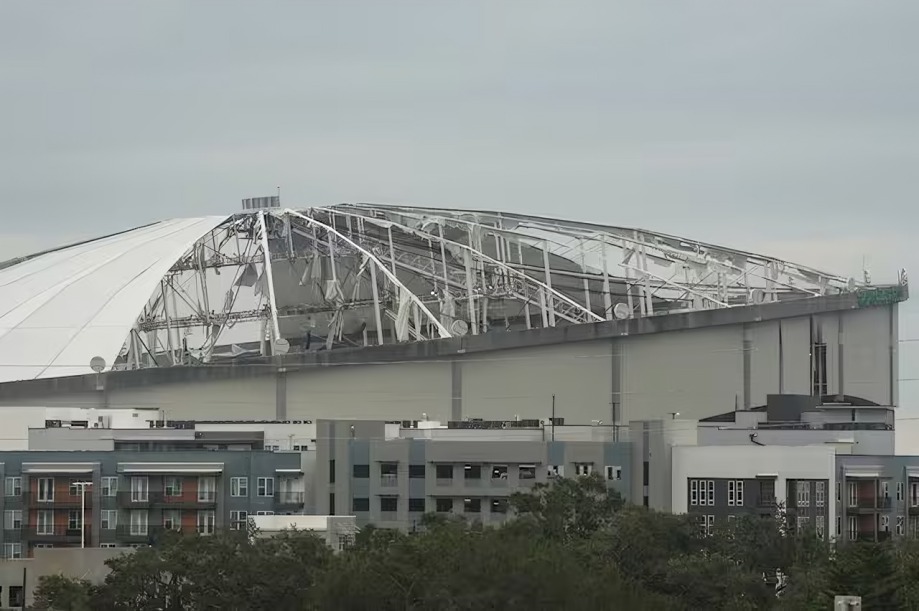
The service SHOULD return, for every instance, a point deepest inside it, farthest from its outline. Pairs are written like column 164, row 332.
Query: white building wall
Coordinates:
column 866, row 354
column 250, row 398
column 750, row 461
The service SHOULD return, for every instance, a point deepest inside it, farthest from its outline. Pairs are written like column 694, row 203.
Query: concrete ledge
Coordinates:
column 438, row 350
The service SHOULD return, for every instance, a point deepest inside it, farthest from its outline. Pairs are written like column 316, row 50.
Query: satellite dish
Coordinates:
column 97, row 364
column 280, row 346
column 621, row 311
column 758, row 296
column 459, row 327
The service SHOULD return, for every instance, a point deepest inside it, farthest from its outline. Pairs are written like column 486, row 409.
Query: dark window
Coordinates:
column 416, row 505
column 473, row 471
column 499, row 505
column 443, row 505
column 17, row 599
column 444, row 471
column 360, row 504
column 818, row 376
column 645, row 474
column 416, row 471
column 332, row 504
column 361, row 471
column 389, row 468
column 527, row 472
column 499, row 472
column 472, row 505
column 389, row 503
column 332, row 471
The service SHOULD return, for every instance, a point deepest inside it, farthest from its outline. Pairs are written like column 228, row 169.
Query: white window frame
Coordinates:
column 140, row 490
column 12, row 486
column 553, row 471
column 110, row 485
column 265, row 487
column 583, row 468
column 735, row 492
column 711, row 491
column 801, row 522
column 44, row 522
column 900, row 525
column 852, row 530
column 884, row 525
column 139, row 523
column 239, row 518
column 12, row 551
column 731, row 488
column 239, row 486
column 899, row 491
column 852, row 493
column 803, row 493
column 207, row 489
column 172, row 487
column 45, row 489
column 820, row 527
column 820, row 501
column 694, row 492
column 108, row 519
column 12, row 519
column 613, row 473
column 914, row 494
column 739, row 500
column 172, row 519
column 74, row 520
column 207, row 522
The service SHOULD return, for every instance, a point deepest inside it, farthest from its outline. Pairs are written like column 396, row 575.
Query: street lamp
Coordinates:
column 82, row 486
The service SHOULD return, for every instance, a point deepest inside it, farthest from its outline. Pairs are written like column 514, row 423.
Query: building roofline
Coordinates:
column 446, row 349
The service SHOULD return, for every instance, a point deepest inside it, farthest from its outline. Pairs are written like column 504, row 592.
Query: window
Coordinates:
column 12, row 519
column 821, row 494
column 239, row 486
column 109, row 486
column 819, row 524
column 360, row 504
column 207, row 489
column 389, row 503
column 108, row 545
column 74, row 489
column 264, row 513
column 583, row 468
column 172, row 519
column 694, row 492
column 239, row 520
column 44, row 523
column 472, row 472
column 499, row 505
column 803, row 490
column 140, row 490
column 802, row 523
column 704, row 491
column 852, row 494
column 12, row 486
column 389, row 474
column 416, row 504
column 207, row 522
column 109, row 519
column 527, row 472
column 17, row 596
column 443, row 505
column 74, row 521
column 818, row 377
column 839, row 492
column 173, row 486
column 332, row 472
column 265, row 486
column 885, row 523
column 360, row 471
column 838, row 526
column 499, row 472
column 12, row 550
column 443, row 471
column 332, row 503
column 613, row 473
column 853, row 528
column 900, row 529
column 706, row 525
column 899, row 491
column 555, row 471
column 735, row 493
column 472, row 505
column 914, row 494
column 416, row 471
column 139, row 523
column 885, row 489
column 46, row 489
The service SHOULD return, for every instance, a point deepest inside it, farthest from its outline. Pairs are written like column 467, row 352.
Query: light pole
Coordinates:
column 82, row 486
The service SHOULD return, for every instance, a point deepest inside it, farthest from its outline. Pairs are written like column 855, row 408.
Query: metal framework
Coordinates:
column 277, row 280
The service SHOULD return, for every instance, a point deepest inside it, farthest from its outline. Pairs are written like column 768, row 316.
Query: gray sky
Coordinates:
column 784, row 126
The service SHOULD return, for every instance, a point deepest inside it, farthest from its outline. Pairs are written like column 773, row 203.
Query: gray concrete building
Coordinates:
column 391, row 475
column 119, row 498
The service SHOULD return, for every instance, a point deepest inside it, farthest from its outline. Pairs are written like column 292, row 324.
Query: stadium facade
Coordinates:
column 361, row 311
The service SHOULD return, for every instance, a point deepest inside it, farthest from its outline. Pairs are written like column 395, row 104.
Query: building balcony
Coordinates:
column 134, row 534
column 60, row 501
column 132, row 500
column 289, row 498
column 868, row 505
column 765, row 504
column 389, row 480
column 55, row 534
column 871, row 536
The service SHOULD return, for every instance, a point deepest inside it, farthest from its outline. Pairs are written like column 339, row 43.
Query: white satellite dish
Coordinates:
column 280, row 346
column 621, row 311
column 459, row 327
column 758, row 296
column 97, row 364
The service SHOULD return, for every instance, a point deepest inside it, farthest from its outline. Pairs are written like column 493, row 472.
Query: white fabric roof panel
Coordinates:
column 60, row 309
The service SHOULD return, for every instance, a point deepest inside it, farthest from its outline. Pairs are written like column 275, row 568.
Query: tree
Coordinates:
column 59, row 593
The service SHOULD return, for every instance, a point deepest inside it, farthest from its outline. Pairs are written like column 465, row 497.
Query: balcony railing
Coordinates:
column 159, row 498
column 289, row 497
column 765, row 502
column 32, row 499
column 55, row 533
column 389, row 479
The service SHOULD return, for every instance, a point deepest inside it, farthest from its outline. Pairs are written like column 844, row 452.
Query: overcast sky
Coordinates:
column 783, row 126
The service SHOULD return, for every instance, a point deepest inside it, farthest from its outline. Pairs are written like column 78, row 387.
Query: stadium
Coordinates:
column 396, row 312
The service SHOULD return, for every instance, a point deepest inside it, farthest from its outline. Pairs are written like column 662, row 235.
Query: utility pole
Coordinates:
column 82, row 486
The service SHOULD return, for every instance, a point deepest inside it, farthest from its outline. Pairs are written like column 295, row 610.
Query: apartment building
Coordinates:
column 391, row 474
column 123, row 497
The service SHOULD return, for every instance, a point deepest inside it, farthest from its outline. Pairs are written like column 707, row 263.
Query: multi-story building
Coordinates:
column 391, row 474
column 117, row 498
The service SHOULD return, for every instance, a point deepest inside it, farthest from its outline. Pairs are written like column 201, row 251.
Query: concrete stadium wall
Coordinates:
column 697, row 372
